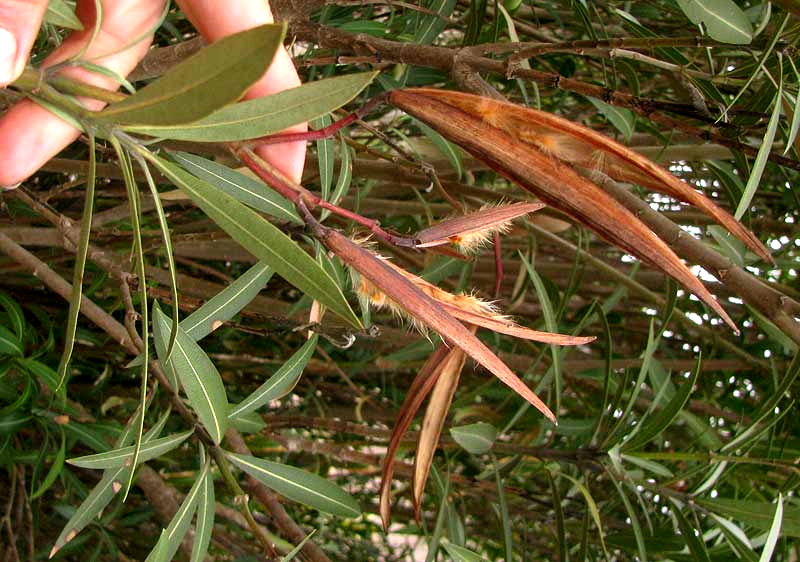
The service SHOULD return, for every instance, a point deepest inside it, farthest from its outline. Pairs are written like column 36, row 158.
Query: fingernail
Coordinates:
column 8, row 56
column 10, row 187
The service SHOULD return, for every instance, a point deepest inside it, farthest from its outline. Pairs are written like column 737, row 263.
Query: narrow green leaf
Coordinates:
column 475, row 438
column 138, row 255
column 657, row 423
column 181, row 521
column 299, row 485
column 550, row 323
column 62, row 14
column 695, row 542
column 637, row 527
column 723, row 19
column 94, row 504
column 123, row 456
column 761, row 158
column 279, row 384
column 461, row 554
column 191, row 90
column 40, row 371
column 345, row 173
column 197, row 374
column 623, row 120
column 11, row 422
column 15, row 314
column 296, row 550
column 794, row 128
column 505, row 520
column 55, row 470
column 448, row 149
column 592, row 505
column 774, row 532
column 757, row 514
column 248, row 423
column 736, row 538
column 245, row 189
column 262, row 239
column 227, row 303
column 204, row 524
column 9, row 343
column 266, row 115
column 430, row 26
column 325, row 157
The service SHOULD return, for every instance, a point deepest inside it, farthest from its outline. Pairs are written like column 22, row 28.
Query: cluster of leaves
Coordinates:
column 658, row 453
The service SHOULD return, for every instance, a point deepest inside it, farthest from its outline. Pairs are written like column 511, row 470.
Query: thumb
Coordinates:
column 19, row 24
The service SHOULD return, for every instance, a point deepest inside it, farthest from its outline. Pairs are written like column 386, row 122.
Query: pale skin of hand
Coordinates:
column 30, row 135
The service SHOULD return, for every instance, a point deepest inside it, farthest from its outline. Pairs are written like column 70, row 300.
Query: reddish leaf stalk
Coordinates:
column 297, row 193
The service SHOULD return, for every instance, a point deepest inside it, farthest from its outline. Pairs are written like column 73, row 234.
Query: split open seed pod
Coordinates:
column 538, row 151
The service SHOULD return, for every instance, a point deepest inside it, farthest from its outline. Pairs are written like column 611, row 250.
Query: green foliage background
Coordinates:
column 677, row 439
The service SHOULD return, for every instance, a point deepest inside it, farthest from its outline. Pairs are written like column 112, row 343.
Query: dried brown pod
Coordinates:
column 538, row 150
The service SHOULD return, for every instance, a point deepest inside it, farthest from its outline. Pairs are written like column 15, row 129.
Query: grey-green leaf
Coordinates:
column 622, row 119
column 205, row 519
column 461, row 554
column 299, row 485
column 63, row 15
column 723, row 19
column 655, row 424
column 227, row 303
column 262, row 239
column 247, row 190
column 171, row 539
column 279, row 384
column 92, row 506
column 757, row 514
column 266, row 115
column 198, row 376
column 120, row 457
column 476, row 438
column 296, row 550
column 212, row 78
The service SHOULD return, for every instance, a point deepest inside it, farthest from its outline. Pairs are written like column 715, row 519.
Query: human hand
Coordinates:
column 30, row 135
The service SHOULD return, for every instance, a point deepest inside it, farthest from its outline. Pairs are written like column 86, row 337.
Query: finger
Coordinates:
column 29, row 134
column 216, row 19
column 19, row 25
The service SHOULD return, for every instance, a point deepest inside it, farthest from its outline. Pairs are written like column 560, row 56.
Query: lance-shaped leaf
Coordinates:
column 199, row 378
column 299, row 485
column 473, row 230
column 124, row 455
column 420, row 387
column 426, row 310
column 266, row 115
column 279, row 384
column 581, row 146
column 433, row 422
column 216, row 76
column 554, row 181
